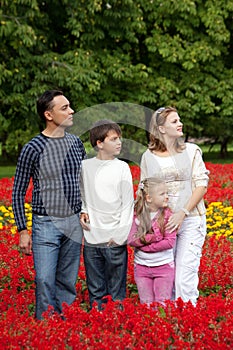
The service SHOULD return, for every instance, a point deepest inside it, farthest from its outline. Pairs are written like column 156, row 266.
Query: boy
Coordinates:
column 106, row 215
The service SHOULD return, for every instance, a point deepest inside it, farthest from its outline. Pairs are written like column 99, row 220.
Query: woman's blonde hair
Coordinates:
column 142, row 212
column 156, row 137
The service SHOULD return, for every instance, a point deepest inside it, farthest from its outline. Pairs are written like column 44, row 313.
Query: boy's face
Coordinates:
column 111, row 146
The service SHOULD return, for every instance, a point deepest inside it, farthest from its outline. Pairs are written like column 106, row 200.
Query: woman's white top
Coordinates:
column 182, row 173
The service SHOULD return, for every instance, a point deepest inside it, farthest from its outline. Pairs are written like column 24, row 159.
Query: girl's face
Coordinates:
column 157, row 197
column 172, row 126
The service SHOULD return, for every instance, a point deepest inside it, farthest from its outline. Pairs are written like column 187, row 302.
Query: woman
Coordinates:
column 181, row 165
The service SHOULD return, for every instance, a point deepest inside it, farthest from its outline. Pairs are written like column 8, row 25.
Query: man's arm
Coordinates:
column 21, row 182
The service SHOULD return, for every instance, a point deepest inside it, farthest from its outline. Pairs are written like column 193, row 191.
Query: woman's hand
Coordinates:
column 175, row 221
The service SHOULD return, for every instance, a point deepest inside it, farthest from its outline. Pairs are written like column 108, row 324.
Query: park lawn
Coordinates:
column 7, row 171
column 212, row 157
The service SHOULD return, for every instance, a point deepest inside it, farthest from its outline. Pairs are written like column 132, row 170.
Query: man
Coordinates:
column 53, row 160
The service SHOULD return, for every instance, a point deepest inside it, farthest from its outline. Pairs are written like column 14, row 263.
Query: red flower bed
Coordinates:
column 180, row 326
column 6, row 185
column 209, row 325
column 220, row 187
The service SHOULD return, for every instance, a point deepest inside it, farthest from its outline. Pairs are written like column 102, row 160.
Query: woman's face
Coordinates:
column 172, row 126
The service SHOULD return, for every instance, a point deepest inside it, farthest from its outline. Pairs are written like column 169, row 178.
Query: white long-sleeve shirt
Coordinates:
column 107, row 197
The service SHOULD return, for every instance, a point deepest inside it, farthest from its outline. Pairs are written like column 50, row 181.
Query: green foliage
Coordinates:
column 150, row 53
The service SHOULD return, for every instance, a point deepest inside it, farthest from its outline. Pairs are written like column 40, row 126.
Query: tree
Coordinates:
column 150, row 53
column 37, row 54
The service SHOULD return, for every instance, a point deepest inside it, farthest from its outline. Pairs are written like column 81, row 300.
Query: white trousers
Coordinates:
column 188, row 251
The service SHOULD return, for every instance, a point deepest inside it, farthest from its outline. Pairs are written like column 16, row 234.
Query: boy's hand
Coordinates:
column 112, row 243
column 84, row 221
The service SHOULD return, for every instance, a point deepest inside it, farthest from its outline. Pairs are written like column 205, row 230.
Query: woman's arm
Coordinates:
column 177, row 218
column 200, row 180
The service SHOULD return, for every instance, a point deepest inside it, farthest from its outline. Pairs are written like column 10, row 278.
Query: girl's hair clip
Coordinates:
column 141, row 186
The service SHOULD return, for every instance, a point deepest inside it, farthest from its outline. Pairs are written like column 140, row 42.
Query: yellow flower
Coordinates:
column 13, row 230
column 219, row 220
column 216, row 204
column 3, row 209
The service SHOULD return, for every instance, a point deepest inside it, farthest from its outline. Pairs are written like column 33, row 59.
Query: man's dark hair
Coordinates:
column 44, row 102
column 100, row 130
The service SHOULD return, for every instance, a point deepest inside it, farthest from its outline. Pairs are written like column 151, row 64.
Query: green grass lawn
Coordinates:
column 212, row 157
column 7, row 171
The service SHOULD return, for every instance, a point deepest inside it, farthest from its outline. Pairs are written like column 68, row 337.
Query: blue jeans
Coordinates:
column 106, row 270
column 56, row 245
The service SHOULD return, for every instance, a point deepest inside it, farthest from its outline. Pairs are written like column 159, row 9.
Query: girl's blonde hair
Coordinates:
column 156, row 137
column 142, row 212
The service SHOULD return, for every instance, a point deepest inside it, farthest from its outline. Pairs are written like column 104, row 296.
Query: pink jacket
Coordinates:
column 158, row 241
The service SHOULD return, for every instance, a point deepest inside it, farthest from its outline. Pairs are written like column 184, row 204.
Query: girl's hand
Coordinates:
column 84, row 221
column 175, row 221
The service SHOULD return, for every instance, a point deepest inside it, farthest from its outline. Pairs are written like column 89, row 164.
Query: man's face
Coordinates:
column 61, row 115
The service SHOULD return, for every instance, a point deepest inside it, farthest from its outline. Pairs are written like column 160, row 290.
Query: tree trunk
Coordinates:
column 223, row 150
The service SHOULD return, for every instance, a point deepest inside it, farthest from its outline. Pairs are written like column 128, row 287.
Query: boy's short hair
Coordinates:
column 99, row 130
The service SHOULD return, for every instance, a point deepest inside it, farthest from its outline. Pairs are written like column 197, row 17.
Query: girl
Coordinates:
column 154, row 269
column 181, row 165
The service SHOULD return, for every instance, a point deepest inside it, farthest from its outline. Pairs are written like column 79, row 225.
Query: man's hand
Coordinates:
column 25, row 242
column 84, row 221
